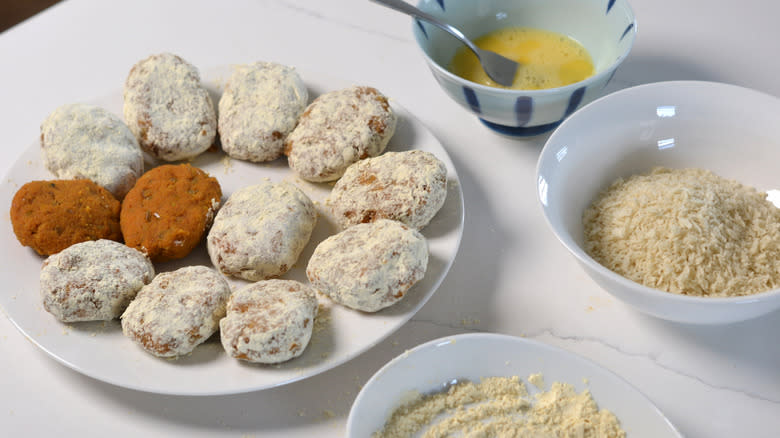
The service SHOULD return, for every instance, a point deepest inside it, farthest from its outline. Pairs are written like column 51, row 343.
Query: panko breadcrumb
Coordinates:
column 49, row 216
column 686, row 231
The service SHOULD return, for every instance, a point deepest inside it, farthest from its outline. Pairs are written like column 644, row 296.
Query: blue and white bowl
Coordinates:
column 606, row 28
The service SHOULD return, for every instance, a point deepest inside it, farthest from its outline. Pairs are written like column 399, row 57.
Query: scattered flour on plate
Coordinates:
column 501, row 407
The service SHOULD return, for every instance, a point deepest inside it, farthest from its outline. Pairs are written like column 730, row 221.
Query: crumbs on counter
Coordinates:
column 468, row 322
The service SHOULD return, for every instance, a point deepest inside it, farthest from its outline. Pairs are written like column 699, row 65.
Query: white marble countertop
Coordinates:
column 511, row 275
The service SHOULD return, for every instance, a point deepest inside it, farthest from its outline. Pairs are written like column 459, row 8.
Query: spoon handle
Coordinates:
column 406, row 8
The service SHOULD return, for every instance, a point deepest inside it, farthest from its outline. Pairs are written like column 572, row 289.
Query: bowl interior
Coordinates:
column 602, row 27
column 729, row 130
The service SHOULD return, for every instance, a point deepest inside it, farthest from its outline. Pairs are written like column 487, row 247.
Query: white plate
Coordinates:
column 427, row 367
column 101, row 351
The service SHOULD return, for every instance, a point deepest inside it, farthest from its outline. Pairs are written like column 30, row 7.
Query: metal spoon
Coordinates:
column 500, row 69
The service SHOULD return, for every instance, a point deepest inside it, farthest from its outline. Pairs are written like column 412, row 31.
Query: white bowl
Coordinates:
column 606, row 28
column 427, row 367
column 729, row 130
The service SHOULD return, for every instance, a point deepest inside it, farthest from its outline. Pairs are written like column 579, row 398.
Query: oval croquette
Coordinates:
column 49, row 216
column 168, row 210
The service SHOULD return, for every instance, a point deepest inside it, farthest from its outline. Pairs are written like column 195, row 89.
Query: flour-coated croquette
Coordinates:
column 259, row 107
column 93, row 280
column 177, row 311
column 261, row 230
column 337, row 129
column 81, row 141
column 167, row 212
column 408, row 187
column 269, row 321
column 49, row 216
column 168, row 109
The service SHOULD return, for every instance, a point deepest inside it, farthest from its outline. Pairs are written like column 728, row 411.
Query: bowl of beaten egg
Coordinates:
column 664, row 193
column 568, row 51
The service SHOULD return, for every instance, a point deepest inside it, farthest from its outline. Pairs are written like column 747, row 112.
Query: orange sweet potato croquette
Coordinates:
column 168, row 210
column 49, row 216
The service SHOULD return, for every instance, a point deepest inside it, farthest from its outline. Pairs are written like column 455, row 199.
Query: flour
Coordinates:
column 502, row 407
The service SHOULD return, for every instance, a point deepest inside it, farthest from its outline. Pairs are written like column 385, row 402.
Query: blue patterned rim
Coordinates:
column 520, row 131
column 523, row 110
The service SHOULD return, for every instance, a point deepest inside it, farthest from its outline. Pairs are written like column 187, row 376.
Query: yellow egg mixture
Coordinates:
column 547, row 59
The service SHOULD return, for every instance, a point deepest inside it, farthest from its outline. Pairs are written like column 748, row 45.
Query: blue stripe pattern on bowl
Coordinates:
column 524, row 108
column 574, row 101
column 471, row 98
column 422, row 28
column 625, row 32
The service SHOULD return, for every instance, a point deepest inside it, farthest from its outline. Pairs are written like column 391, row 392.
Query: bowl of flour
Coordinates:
column 484, row 384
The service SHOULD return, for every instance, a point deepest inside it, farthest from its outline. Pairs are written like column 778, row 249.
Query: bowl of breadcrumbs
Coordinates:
column 492, row 385
column 665, row 194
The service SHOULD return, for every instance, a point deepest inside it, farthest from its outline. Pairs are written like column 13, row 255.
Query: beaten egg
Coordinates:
column 547, row 59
